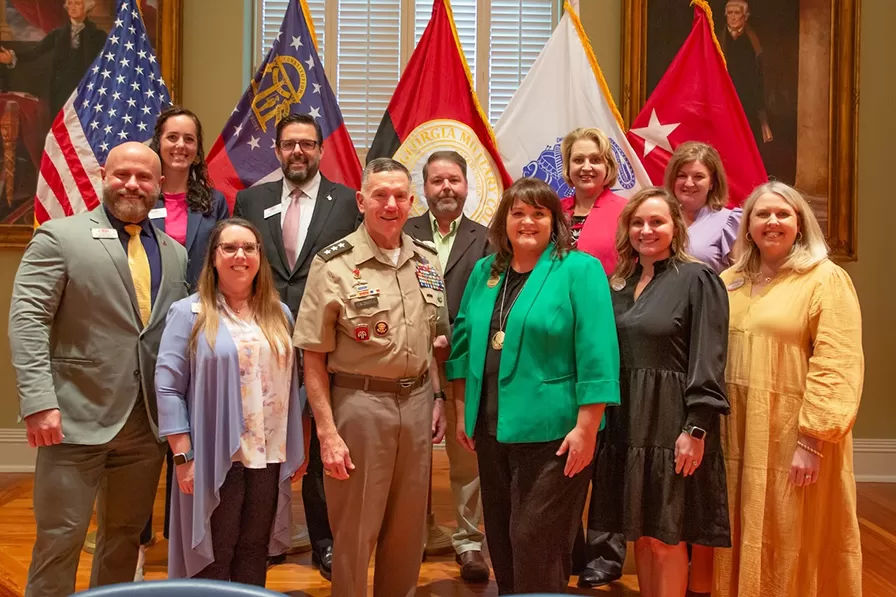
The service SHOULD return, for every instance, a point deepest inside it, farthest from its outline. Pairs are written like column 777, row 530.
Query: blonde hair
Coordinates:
column 626, row 255
column 809, row 248
column 604, row 149
column 265, row 302
column 695, row 151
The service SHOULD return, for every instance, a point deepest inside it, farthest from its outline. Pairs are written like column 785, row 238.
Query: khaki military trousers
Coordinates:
column 463, row 472
column 383, row 502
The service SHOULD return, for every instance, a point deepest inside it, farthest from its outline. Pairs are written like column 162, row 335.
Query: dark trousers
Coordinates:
column 241, row 525
column 313, row 497
column 532, row 511
column 147, row 534
column 604, row 552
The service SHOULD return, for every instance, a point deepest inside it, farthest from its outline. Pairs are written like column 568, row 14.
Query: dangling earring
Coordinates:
column 553, row 237
column 196, row 159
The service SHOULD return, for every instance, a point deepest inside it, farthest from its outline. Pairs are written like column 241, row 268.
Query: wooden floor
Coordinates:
column 439, row 575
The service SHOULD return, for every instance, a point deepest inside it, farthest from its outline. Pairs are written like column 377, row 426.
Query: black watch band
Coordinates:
column 440, row 395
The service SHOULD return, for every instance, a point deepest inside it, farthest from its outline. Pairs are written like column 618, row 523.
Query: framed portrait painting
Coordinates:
column 46, row 47
column 794, row 64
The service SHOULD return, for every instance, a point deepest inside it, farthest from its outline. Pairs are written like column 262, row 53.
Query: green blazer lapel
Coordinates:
column 517, row 318
column 119, row 258
column 479, row 315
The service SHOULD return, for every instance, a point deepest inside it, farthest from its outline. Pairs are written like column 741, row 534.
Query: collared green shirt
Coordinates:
column 443, row 243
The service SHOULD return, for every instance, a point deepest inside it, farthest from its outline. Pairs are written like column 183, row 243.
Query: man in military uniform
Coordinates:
column 373, row 306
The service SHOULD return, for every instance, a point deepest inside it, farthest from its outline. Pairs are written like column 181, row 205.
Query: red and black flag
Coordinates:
column 435, row 108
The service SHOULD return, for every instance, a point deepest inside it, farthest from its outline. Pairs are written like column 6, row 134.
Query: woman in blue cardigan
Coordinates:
column 229, row 405
column 534, row 362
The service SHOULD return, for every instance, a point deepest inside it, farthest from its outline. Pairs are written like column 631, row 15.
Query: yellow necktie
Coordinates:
column 140, row 274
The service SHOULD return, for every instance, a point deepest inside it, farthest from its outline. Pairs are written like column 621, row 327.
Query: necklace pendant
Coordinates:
column 498, row 340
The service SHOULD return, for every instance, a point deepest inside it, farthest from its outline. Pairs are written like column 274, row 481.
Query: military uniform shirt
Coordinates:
column 373, row 318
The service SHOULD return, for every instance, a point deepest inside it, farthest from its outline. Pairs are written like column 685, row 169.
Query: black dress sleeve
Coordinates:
column 704, row 394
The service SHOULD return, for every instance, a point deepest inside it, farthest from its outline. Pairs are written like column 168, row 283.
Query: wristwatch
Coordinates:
column 440, row 395
column 182, row 458
column 695, row 432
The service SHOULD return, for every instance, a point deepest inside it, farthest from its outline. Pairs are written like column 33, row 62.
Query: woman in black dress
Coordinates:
column 660, row 475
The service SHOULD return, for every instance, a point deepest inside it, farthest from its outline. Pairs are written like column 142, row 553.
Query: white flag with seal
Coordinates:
column 564, row 90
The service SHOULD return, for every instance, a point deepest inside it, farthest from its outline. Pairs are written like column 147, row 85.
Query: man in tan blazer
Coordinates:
column 88, row 307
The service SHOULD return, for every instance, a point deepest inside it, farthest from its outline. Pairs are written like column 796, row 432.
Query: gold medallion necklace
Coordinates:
column 498, row 337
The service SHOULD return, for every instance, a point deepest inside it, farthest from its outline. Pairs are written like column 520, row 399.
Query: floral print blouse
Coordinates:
column 265, row 378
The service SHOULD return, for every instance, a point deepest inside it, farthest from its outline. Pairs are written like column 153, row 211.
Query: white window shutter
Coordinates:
column 519, row 31
column 367, row 64
column 271, row 16
column 368, row 48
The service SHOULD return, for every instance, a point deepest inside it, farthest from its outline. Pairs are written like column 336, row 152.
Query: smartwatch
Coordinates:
column 695, row 432
column 183, row 458
column 440, row 395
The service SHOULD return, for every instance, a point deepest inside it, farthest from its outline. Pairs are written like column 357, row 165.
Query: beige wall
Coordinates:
column 214, row 80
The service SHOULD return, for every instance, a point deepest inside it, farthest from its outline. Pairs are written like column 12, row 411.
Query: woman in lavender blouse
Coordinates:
column 696, row 177
column 229, row 405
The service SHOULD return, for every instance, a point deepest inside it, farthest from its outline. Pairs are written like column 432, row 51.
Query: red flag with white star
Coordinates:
column 696, row 101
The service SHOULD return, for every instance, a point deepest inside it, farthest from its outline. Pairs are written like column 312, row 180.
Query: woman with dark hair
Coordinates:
column 534, row 362
column 189, row 207
column 660, row 476
column 229, row 405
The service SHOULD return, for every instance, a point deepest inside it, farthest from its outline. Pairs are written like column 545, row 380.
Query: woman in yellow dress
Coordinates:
column 794, row 380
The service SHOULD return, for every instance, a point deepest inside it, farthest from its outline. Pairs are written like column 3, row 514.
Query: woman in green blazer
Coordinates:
column 534, row 362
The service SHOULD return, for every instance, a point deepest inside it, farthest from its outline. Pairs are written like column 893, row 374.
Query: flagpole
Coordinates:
column 704, row 6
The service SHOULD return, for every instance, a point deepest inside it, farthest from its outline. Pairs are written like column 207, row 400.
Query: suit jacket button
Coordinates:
column 136, row 373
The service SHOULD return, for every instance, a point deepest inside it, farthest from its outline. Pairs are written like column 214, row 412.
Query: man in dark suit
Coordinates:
column 460, row 242
column 298, row 216
column 73, row 48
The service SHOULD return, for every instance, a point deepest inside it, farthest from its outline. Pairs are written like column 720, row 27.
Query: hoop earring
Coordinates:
column 748, row 237
column 553, row 237
column 799, row 236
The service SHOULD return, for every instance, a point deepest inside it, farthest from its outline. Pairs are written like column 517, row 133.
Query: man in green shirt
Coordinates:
column 460, row 243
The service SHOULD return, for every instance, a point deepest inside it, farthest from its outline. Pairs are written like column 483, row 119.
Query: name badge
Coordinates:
column 99, row 233
column 273, row 210
column 195, row 307
column 158, row 213
column 736, row 284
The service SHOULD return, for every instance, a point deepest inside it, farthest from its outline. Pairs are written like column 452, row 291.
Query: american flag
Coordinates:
column 118, row 100
column 291, row 79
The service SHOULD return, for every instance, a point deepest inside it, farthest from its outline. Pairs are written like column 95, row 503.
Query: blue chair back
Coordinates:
column 179, row 588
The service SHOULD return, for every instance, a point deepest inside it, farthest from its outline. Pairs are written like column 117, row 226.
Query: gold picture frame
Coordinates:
column 169, row 46
column 827, row 56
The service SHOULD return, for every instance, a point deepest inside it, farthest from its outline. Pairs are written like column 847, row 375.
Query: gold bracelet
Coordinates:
column 808, row 449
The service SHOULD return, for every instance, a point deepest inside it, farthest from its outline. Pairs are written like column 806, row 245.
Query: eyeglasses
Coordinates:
column 230, row 249
column 289, row 145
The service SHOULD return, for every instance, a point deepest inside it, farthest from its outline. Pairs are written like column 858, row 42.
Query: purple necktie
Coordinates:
column 291, row 229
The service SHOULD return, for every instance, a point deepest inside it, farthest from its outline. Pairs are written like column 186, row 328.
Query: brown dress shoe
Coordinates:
column 473, row 567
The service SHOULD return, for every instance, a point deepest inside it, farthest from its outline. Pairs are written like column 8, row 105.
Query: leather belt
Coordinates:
column 402, row 387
